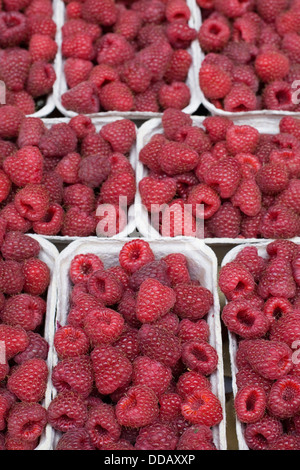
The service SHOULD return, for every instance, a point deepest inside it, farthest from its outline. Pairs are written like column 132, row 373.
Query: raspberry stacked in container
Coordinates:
column 55, row 174
column 261, row 285
column 253, row 54
column 243, row 183
column 134, row 357
column 126, row 56
column 24, row 280
column 28, row 50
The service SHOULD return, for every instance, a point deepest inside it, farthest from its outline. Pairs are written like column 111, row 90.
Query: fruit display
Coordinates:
column 252, row 55
column 27, row 53
column 53, row 179
column 243, row 183
column 261, row 286
column 135, row 349
column 27, row 300
column 128, row 56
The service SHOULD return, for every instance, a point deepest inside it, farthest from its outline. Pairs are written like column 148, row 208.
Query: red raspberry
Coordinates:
column 15, row 5
column 30, row 132
column 37, row 276
column 177, row 268
column 152, row 374
column 240, row 99
column 284, row 397
column 121, row 135
column 272, row 178
column 204, row 201
column 262, row 434
column 156, row 57
column 246, row 74
column 151, row 12
column 37, row 348
column 189, row 330
column 121, row 274
column 170, row 407
column 156, row 192
column 13, row 29
column 285, row 442
column 197, row 437
column 199, row 356
column 225, row 223
column 77, row 71
column 157, row 270
column 215, row 82
column 127, row 308
column 157, row 343
column 248, row 197
column 14, row 68
column 42, row 48
column 40, row 24
column 105, row 287
column 192, row 301
column 288, row 21
column 277, row 280
column 250, row 403
column 10, row 121
column 269, row 10
column 136, row 76
column 290, row 46
column 24, row 310
column 116, row 96
column 103, row 12
column 102, row 75
column 114, row 50
column 41, row 79
column 94, row 144
column 73, row 374
column 58, row 141
column 154, row 300
column 244, row 319
column 112, row 369
column 246, row 376
column 82, row 303
column 103, row 326
column 78, row 223
column 82, row 99
column 175, row 222
column 70, row 341
column 26, row 421
column 157, row 437
column 276, row 307
column 150, row 152
column 271, row 66
column 290, row 125
column 32, row 202
column 233, row 8
column 135, row 254
column 78, row 46
column 82, row 126
column 138, row 408
column 39, row 7
column 103, row 426
column 286, row 329
column 213, row 35
column 11, row 277
column 289, row 159
column 128, row 24
column 67, row 411
column 179, row 66
column 278, row 96
column 271, row 359
column 173, row 120
column 235, row 281
column 52, row 223
column 5, row 186
column 180, row 34
column 224, row 176
column 68, row 168
column 25, row 166
column 128, row 344
column 83, row 266
column 15, row 340
column 202, row 407
column 76, row 439
column 242, row 139
column 146, row 101
column 216, row 127
column 79, row 26
column 176, row 95
column 175, row 158
column 79, row 195
column 29, row 380
column 250, row 258
column 279, row 222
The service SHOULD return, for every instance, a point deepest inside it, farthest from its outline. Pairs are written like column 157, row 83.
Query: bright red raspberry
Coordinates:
column 173, row 120
column 127, row 308
column 271, row 359
column 70, row 341
column 272, row 66
column 77, row 71
column 284, row 397
column 11, row 119
column 40, row 7
column 272, row 178
column 52, row 223
column 175, row 94
column 277, row 280
column 103, row 326
column 14, row 68
column 154, row 300
column 116, row 96
column 213, row 35
column 215, row 82
column 202, row 407
column 82, row 99
column 32, row 202
column 233, row 8
column 42, row 48
column 179, row 66
column 15, row 340
column 286, row 329
column 175, row 158
column 26, row 421
column 250, row 403
column 262, row 434
column 138, row 408
column 75, row 439
column 199, row 356
column 11, row 277
column 105, row 287
column 245, row 319
column 41, row 79
column 285, row 442
column 157, row 436
column 154, row 270
column 25, row 166
column 128, row 343
column 248, row 197
column 278, row 96
column 29, row 380
column 37, row 276
column 189, row 330
column 24, row 310
column 156, row 191
column 67, row 411
column 156, row 57
column 235, row 281
column 240, row 99
column 192, row 301
column 128, row 24
column 224, row 176
column 152, row 374
column 242, row 139
column 79, row 195
column 250, row 258
column 279, row 222
column 82, row 126
column 247, row 376
column 226, row 222
column 82, row 303
column 83, row 266
column 135, row 254
column 121, row 135
column 103, row 12
column 74, row 374
column 204, row 201
column 78, row 223
column 102, row 425
column 159, row 344
column 177, row 268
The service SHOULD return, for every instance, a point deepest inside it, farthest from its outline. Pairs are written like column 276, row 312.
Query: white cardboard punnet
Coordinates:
column 203, row 266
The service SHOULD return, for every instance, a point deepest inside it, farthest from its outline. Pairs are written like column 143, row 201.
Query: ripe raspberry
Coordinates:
column 37, row 348
column 240, row 99
column 93, row 144
column 24, row 310
column 127, row 308
column 180, row 34
column 82, row 303
column 15, row 5
column 83, row 266
column 272, row 178
column 235, row 281
column 76, row 439
column 216, row 127
column 204, row 201
column 32, row 202
column 29, row 380
column 175, row 158
column 160, row 302
column 128, row 24
column 270, row 10
column 244, row 319
column 170, row 407
column 42, row 48
column 192, row 301
column 26, row 421
column 285, row 442
column 52, row 223
column 112, row 369
column 77, row 71
column 179, row 66
column 70, row 341
column 248, row 197
column 82, row 126
column 189, row 330
column 157, row 343
column 202, row 407
column 138, row 408
column 173, row 120
column 78, row 223
column 290, row 125
column 177, row 268
column 14, row 68
column 288, row 21
column 25, row 166
column 103, row 326
column 214, row 82
column 41, row 79
column 262, row 434
column 289, row 159
column 114, row 50
column 102, row 75
column 153, row 270
column 103, row 12
column 197, row 437
column 176, row 95
column 224, row 176
column 37, row 276
column 157, row 437
column 121, row 135
column 105, row 287
column 10, row 121
column 286, row 329
column 135, row 254
column 278, row 96
column 79, row 195
column 271, row 66
column 116, row 96
column 156, row 192
column 11, row 277
column 250, row 258
column 199, row 356
column 78, row 46
column 127, row 344
column 67, row 411
column 58, row 141
column 39, row 7
column 225, row 223
column 279, row 222
column 82, row 99
column 271, row 359
column 102, row 425
column 284, row 397
column 157, row 58
column 250, row 403
column 13, row 29
column 233, row 8
column 242, row 139
column 152, row 374
column 213, row 35
column 73, row 374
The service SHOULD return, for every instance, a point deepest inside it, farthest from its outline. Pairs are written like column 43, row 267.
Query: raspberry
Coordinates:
column 105, row 287
column 151, row 12
column 157, row 58
column 177, row 268
column 189, row 330
column 233, row 8
column 76, row 439
column 40, row 24
column 29, row 380
column 58, row 141
column 82, row 304
column 13, row 29
column 103, row 74
column 262, row 434
column 52, row 223
column 157, row 437
column 204, row 201
column 170, row 407
column 176, row 95
column 24, row 310
column 11, row 277
column 128, row 343
column 246, row 376
column 79, row 195
column 289, row 159
column 14, row 68
column 94, row 144
column 271, row 66
column 285, row 442
column 272, row 178
column 30, row 132
column 244, row 319
column 78, row 223
column 213, row 35
column 128, row 24
column 79, row 26
column 39, row 7
column 225, row 223
column 286, row 329
column 150, row 152
column 215, row 82
column 77, row 71
column 5, row 186
column 41, row 79
column 138, row 408
column 224, row 176
column 37, row 276
column 250, row 258
column 136, row 76
column 73, row 374
column 83, row 266
column 11, row 119
column 271, row 359
column 271, row 9
column 284, row 397
column 235, row 281
column 240, row 99
column 42, row 48
column 216, row 127
column 180, row 34
column 112, row 370
column 199, row 356
column 277, row 280
column 202, row 407
column 116, row 96
column 25, row 166
column 250, row 403
column 290, row 125
column 135, row 254
column 121, row 135
column 82, row 126
column 175, row 158
column 78, row 46
column 179, row 66
column 114, row 50
column 71, row 341
column 101, row 12
column 197, row 437
column 26, row 421
column 288, row 21
column 82, row 99
column 37, row 348
column 248, row 197
column 102, row 426
column 67, row 411
column 192, row 301
column 127, row 308
column 276, row 307
column 15, row 340
column 152, row 374
column 242, row 139
column 156, row 192
column 278, row 96
column 157, row 343
column 32, row 202
column 279, row 222
column 103, row 326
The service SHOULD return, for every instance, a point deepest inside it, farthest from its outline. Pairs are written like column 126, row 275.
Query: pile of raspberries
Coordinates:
column 24, row 280
column 53, row 180
column 134, row 356
column 126, row 56
column 242, row 183
column 27, row 52
column 263, row 312
column 252, row 54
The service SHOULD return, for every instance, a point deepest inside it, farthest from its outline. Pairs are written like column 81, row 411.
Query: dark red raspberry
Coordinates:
column 19, row 247
column 159, row 344
column 245, row 319
column 277, row 280
column 82, row 99
column 135, row 254
column 235, row 281
column 250, row 258
column 284, row 397
column 152, row 374
column 262, row 434
column 173, row 120
column 67, row 411
column 103, row 326
column 73, row 374
column 102, row 425
column 157, row 436
column 213, row 35
column 76, row 439
column 70, row 341
column 240, row 99
column 138, row 408
column 192, row 302
column 11, row 277
column 37, row 276
column 224, row 176
column 271, row 359
column 26, row 421
column 215, row 82
column 197, row 437
column 286, row 329
column 105, row 287
column 199, row 356
column 37, row 348
column 29, row 380
column 83, row 266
